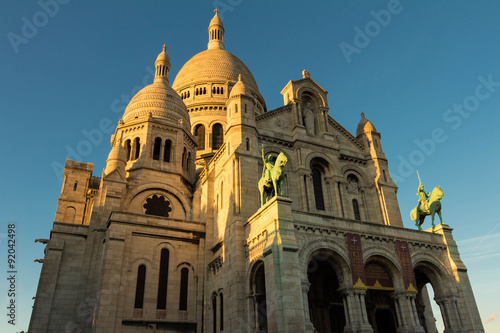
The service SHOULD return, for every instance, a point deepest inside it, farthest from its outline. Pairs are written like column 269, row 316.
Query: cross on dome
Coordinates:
column 216, row 11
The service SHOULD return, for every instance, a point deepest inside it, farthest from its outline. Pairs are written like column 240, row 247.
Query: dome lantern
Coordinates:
column 216, row 33
column 162, row 66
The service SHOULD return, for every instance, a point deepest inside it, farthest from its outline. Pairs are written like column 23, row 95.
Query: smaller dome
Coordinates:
column 163, row 56
column 117, row 157
column 364, row 126
column 216, row 20
column 239, row 88
column 117, row 152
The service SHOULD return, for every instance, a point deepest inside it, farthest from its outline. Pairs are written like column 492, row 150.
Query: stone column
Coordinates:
column 406, row 312
column 328, row 185
column 355, row 311
column 449, row 312
column 308, row 192
column 305, row 295
column 299, row 112
column 338, row 197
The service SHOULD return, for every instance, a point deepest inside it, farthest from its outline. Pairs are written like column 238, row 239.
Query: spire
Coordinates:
column 117, row 158
column 239, row 88
column 364, row 126
column 162, row 66
column 216, row 33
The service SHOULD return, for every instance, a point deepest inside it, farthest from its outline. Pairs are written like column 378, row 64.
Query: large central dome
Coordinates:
column 205, row 81
column 215, row 65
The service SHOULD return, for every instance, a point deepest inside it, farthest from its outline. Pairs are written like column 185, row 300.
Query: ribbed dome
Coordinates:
column 214, row 65
column 364, row 126
column 161, row 101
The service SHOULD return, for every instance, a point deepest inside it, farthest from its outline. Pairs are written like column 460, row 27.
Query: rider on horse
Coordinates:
column 268, row 165
column 423, row 199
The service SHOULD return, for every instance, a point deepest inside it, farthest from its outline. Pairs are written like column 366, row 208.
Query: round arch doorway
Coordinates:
column 326, row 306
column 379, row 303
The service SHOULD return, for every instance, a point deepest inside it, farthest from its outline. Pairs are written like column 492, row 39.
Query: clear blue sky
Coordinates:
column 411, row 74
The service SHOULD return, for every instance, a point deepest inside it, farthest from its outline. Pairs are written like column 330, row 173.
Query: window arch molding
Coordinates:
column 170, row 191
column 184, row 264
column 140, row 261
column 308, row 92
column 320, row 170
column 328, row 164
column 217, row 138
column 157, row 254
column 203, row 128
column 354, row 170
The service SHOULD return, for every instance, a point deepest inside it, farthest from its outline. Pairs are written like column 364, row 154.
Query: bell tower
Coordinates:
column 378, row 168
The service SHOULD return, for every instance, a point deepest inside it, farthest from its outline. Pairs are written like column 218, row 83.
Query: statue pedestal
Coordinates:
column 273, row 227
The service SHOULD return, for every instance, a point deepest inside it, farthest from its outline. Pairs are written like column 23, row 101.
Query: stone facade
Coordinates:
column 173, row 238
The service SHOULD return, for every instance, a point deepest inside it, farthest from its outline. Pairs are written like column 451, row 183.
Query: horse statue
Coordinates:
column 271, row 182
column 428, row 204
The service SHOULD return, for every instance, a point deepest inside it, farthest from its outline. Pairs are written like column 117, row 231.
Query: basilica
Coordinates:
column 175, row 236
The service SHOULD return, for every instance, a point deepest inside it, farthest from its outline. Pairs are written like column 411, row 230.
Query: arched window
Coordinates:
column 221, row 301
column 221, row 90
column 161, row 302
column 166, row 151
column 318, row 188
column 69, row 215
column 127, row 149
column 75, row 186
column 184, row 289
column 156, row 149
column 236, row 108
column 184, row 154
column 258, row 286
column 248, row 144
column 204, row 90
column 214, row 311
column 355, row 208
column 199, row 132
column 245, row 108
column 137, row 144
column 221, row 195
column 385, row 176
column 139, row 288
column 217, row 136
column 188, row 161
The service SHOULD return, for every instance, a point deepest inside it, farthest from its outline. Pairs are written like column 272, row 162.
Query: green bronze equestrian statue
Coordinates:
column 428, row 204
column 271, row 182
